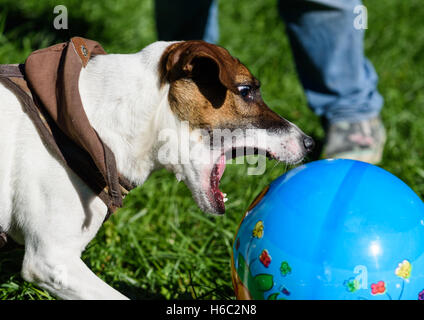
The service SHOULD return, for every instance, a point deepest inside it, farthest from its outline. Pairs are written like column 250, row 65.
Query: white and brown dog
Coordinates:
column 132, row 101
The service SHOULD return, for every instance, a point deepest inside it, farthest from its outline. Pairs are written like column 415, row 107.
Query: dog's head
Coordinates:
column 218, row 102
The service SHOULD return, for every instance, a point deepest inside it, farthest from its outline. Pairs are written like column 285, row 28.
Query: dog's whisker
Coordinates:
column 277, row 162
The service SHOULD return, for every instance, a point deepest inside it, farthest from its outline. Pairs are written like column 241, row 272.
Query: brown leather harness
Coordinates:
column 98, row 172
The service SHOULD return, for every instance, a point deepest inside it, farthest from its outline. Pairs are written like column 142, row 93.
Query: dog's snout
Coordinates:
column 309, row 143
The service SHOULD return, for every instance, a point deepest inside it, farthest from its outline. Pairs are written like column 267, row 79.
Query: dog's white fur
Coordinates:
column 48, row 208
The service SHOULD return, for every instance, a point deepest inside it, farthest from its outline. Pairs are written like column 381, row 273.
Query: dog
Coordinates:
column 190, row 88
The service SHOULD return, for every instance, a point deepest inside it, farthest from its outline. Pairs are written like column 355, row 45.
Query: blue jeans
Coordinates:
column 340, row 83
column 212, row 28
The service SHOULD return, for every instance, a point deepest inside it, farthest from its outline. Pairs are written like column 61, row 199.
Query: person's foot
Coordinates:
column 363, row 141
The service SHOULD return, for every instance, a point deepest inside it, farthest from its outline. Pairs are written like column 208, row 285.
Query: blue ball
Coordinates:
column 332, row 229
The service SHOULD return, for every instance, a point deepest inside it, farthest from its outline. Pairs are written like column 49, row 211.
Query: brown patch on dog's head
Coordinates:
column 211, row 89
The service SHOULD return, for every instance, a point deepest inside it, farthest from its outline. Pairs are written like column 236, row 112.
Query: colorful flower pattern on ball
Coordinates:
column 285, row 268
column 265, row 258
column 421, row 295
column 351, row 284
column 378, row 288
column 404, row 269
column 258, row 230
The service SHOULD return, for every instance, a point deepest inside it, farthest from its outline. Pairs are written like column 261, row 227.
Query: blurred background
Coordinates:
column 160, row 246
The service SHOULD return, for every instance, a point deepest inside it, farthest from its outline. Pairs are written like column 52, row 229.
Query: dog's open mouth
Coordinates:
column 217, row 198
column 205, row 182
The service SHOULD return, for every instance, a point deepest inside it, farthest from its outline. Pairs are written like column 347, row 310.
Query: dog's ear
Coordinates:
column 181, row 59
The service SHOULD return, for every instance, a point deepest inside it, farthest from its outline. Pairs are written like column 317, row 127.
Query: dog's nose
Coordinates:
column 309, row 143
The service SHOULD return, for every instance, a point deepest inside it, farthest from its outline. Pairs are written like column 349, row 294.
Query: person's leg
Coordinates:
column 186, row 20
column 339, row 82
column 211, row 33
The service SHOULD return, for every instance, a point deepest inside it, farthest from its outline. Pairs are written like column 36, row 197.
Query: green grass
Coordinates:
column 160, row 245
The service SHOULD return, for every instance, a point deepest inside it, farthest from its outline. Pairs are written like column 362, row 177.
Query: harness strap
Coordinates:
column 62, row 147
column 11, row 70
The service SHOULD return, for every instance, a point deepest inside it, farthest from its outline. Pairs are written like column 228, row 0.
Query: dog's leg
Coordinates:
column 56, row 230
column 65, row 276
column 45, row 206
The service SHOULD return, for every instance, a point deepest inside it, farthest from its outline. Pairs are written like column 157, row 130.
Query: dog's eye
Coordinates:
column 244, row 90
